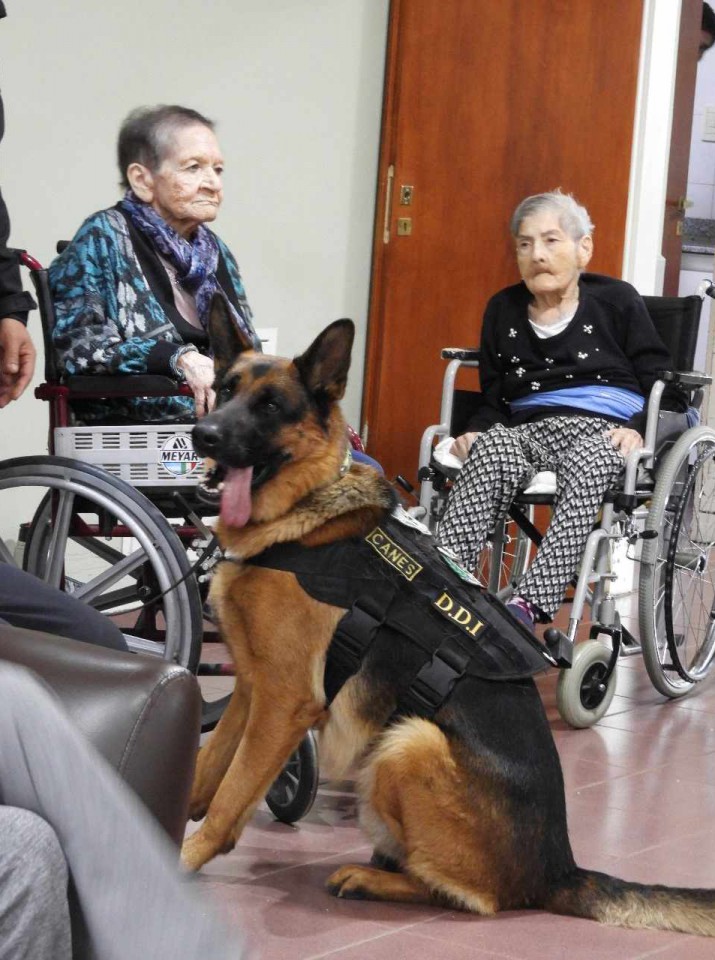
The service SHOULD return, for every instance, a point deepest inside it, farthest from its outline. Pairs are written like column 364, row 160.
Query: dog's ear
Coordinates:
column 324, row 366
column 225, row 336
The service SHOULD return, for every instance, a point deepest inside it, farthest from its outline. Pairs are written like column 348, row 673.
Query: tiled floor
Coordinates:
column 641, row 800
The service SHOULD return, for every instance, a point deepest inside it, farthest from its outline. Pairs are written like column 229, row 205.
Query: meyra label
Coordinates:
column 178, row 456
column 393, row 554
column 466, row 619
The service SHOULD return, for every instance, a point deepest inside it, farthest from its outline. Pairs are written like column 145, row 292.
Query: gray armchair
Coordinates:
column 143, row 715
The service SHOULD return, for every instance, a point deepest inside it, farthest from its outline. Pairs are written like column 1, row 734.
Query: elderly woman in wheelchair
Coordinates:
column 124, row 310
column 567, row 362
column 132, row 291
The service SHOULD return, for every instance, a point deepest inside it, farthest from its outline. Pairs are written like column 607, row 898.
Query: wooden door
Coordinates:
column 486, row 102
column 675, row 198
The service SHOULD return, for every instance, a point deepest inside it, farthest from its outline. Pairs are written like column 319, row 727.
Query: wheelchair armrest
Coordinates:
column 465, row 354
column 124, row 385
column 690, row 378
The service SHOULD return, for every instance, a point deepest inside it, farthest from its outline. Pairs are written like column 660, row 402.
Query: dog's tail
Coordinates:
column 596, row 896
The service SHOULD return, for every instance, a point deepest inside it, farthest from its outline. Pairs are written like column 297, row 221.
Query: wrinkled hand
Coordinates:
column 625, row 439
column 199, row 373
column 462, row 445
column 17, row 359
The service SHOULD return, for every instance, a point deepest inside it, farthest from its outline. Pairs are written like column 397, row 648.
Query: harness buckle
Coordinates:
column 436, row 679
column 352, row 639
column 355, row 633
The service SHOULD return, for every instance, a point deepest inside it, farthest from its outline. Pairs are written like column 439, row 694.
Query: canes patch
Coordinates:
column 466, row 619
column 393, row 554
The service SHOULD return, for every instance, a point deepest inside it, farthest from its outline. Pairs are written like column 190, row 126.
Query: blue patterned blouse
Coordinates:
column 108, row 318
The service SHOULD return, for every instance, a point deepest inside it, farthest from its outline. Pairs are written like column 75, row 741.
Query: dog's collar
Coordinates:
column 347, row 461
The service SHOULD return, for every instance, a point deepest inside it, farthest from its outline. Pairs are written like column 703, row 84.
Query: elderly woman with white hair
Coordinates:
column 567, row 360
column 132, row 290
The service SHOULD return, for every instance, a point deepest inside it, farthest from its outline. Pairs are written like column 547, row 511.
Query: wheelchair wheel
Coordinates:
column 505, row 558
column 584, row 693
column 98, row 538
column 677, row 578
column 293, row 792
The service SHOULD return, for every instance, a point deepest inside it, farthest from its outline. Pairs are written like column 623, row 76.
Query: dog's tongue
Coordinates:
column 236, row 497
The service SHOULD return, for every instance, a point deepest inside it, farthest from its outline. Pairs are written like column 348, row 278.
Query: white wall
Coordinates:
column 643, row 262
column 296, row 89
column 701, row 193
column 701, row 168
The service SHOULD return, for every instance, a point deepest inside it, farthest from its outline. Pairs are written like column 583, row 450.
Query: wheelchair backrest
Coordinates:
column 464, row 406
column 677, row 319
column 41, row 283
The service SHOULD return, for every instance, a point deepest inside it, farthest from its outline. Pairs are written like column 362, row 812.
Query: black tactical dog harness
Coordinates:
column 397, row 581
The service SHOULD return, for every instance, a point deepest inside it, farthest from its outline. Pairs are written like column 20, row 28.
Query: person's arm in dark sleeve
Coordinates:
column 14, row 302
column 492, row 408
column 17, row 352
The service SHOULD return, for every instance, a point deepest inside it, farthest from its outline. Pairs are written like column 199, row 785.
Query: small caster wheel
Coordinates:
column 585, row 691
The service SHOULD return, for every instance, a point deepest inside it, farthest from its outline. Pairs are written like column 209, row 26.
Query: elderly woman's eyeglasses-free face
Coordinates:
column 549, row 259
column 187, row 189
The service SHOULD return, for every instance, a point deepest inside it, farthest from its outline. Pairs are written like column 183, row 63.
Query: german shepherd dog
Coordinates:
column 466, row 809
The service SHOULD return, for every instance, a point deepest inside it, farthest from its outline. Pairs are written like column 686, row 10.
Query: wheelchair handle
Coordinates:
column 27, row 260
column 32, row 263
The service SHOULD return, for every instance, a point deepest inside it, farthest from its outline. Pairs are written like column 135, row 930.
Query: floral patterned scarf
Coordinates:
column 195, row 260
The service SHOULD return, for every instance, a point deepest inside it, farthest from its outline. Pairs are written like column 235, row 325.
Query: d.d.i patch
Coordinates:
column 466, row 619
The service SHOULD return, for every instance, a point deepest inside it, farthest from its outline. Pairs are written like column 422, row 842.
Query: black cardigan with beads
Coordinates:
column 611, row 341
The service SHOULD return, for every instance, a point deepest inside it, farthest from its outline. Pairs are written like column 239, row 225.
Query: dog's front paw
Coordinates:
column 206, row 843
column 350, row 882
column 197, row 850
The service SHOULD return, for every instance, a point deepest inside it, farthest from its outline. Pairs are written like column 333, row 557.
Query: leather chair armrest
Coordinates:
column 142, row 714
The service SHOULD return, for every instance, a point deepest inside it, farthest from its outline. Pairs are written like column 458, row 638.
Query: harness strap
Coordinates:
column 435, row 680
column 400, row 592
column 353, row 637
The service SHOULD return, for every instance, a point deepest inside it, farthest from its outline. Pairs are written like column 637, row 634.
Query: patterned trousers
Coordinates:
column 503, row 461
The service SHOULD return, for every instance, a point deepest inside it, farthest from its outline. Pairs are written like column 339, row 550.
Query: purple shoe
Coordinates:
column 522, row 610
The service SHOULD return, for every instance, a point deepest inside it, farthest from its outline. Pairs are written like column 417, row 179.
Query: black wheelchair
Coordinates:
column 654, row 540
column 111, row 516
